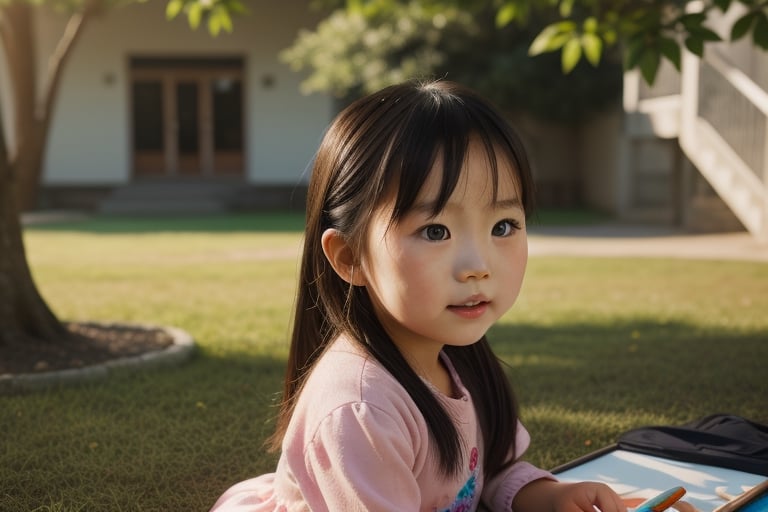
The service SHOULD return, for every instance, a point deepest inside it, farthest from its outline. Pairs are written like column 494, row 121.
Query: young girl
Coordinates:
column 415, row 245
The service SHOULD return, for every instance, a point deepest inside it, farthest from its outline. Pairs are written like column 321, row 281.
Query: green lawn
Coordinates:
column 595, row 347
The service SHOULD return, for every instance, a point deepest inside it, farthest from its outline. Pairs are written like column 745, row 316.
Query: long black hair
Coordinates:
column 388, row 141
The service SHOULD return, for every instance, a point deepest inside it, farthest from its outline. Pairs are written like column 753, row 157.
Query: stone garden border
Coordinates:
column 179, row 351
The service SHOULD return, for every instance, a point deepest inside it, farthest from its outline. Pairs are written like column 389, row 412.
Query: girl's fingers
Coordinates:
column 682, row 506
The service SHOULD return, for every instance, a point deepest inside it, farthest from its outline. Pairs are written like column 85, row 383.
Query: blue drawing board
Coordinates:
column 634, row 475
column 759, row 505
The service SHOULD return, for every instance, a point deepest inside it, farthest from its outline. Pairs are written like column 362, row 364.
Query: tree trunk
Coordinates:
column 24, row 315
column 29, row 165
column 32, row 116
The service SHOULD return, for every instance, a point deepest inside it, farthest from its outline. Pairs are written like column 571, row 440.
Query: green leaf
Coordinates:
column 671, row 50
column 226, row 21
column 590, row 25
column 633, row 53
column 566, row 26
column 695, row 45
column 221, row 19
column 236, row 7
column 649, row 65
column 566, row 8
column 214, row 25
column 723, row 5
column 760, row 35
column 742, row 26
column 548, row 40
column 692, row 21
column 195, row 14
column 506, row 14
column 173, row 8
column 705, row 34
column 571, row 54
column 593, row 48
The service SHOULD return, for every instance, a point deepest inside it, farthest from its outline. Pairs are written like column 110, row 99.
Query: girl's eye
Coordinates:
column 505, row 228
column 435, row 232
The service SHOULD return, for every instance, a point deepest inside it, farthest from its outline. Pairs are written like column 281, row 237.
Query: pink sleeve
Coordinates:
column 502, row 489
column 361, row 458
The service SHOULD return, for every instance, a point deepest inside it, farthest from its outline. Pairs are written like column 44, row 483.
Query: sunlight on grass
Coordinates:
column 231, row 291
column 594, row 347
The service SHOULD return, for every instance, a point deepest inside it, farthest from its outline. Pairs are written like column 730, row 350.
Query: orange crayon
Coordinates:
column 663, row 501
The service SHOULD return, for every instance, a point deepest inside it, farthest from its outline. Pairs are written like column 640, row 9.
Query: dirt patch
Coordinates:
column 90, row 344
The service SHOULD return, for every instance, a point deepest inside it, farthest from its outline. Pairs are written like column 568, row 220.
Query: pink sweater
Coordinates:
column 357, row 441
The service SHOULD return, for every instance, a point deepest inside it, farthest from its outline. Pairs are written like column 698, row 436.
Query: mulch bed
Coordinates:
column 90, row 344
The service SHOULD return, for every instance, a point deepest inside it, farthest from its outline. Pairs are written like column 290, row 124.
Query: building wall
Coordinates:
column 554, row 156
column 90, row 135
column 601, row 147
column 576, row 165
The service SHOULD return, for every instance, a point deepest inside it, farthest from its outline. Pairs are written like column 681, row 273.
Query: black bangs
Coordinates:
column 443, row 129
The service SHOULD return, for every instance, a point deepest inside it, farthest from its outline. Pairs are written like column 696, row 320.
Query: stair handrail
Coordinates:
column 691, row 130
column 739, row 80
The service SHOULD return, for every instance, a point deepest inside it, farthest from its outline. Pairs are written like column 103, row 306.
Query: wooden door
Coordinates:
column 187, row 122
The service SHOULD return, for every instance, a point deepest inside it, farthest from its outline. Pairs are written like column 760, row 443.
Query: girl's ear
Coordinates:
column 341, row 257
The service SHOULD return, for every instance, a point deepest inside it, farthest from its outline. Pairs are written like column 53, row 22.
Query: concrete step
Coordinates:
column 167, row 207
column 169, row 197
column 182, row 189
column 709, row 214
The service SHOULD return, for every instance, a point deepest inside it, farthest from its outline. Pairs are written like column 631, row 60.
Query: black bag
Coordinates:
column 717, row 440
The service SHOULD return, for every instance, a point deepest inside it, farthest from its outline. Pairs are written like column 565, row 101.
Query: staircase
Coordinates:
column 718, row 114
column 173, row 196
column 724, row 132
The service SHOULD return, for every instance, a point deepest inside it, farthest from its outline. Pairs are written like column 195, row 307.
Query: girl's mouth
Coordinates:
column 470, row 310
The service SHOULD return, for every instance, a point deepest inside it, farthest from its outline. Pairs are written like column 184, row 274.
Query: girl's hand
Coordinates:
column 549, row 496
column 585, row 496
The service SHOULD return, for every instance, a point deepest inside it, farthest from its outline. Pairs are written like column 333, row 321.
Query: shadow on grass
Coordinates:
column 637, row 365
column 581, row 385
column 273, row 222
column 157, row 439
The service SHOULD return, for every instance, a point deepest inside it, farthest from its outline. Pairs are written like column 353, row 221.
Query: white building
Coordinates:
column 153, row 116
column 151, row 102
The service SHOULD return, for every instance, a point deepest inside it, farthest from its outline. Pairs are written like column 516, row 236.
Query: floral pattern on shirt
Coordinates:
column 466, row 496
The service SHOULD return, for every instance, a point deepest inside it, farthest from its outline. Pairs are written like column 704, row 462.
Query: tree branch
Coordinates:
column 63, row 50
column 16, row 33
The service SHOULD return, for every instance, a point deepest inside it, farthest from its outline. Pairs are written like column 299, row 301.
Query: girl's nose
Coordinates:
column 472, row 263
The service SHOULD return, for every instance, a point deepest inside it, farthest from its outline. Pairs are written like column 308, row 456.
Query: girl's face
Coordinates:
column 445, row 279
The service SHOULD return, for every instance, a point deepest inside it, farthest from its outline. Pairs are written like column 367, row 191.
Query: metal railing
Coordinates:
column 724, row 132
column 734, row 111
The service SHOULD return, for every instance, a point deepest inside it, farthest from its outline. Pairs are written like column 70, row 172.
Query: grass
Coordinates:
column 595, row 347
